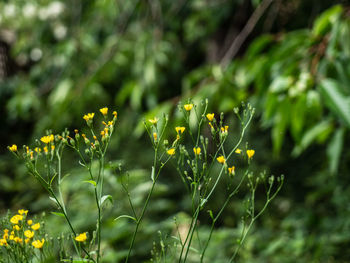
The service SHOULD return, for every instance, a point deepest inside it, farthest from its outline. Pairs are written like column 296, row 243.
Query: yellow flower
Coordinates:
column 37, row 149
column 22, row 211
column 46, row 150
column 224, row 129
column 16, row 227
column 28, row 233
column 250, row 153
column 17, row 239
column 231, row 170
column 47, row 139
column 154, row 120
column 104, row 111
column 89, row 116
column 115, row 114
column 155, row 136
column 197, row 150
column 30, row 222
column 210, row 116
column 3, row 242
column 221, row 159
column 13, row 148
column 171, row 151
column 52, row 147
column 36, row 226
column 238, row 151
column 38, row 243
column 188, row 107
column 81, row 237
column 180, row 129
column 14, row 220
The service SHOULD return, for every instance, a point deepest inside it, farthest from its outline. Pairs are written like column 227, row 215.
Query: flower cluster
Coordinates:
column 22, row 233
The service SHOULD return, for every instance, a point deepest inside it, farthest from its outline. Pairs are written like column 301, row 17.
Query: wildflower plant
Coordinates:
column 49, row 150
column 196, row 162
column 23, row 240
column 201, row 164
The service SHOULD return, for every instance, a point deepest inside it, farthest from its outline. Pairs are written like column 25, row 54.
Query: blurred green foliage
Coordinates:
column 60, row 59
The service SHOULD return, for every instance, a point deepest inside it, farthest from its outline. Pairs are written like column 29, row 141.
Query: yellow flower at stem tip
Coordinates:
column 36, row 226
column 14, row 220
column 250, row 153
column 47, row 139
column 155, row 136
column 210, row 116
column 22, row 211
column 188, row 107
column 16, row 227
column 104, row 111
column 224, row 129
column 238, row 151
column 30, row 222
column 13, row 148
column 89, row 116
column 38, row 244
column 115, row 114
column 231, row 170
column 81, row 237
column 153, row 121
column 171, row 151
column 179, row 129
column 197, row 150
column 28, row 233
column 221, row 159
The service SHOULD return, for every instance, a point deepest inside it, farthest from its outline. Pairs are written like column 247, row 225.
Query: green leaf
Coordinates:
column 125, row 216
column 334, row 150
column 53, row 200
column 311, row 135
column 91, row 182
column 106, row 197
column 281, row 121
column 339, row 104
column 58, row 214
column 326, row 19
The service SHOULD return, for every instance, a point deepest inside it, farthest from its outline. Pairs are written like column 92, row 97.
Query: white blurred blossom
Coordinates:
column 60, row 31
column 29, row 10
column 53, row 10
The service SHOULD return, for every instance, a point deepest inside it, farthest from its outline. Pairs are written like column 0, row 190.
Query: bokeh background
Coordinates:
column 289, row 58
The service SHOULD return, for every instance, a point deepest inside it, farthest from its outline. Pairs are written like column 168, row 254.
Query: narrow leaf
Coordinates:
column 58, row 214
column 106, row 197
column 125, row 216
column 152, row 174
column 53, row 200
column 334, row 150
column 337, row 102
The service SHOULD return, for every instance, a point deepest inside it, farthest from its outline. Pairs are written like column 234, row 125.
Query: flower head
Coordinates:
column 221, row 159
column 231, row 170
column 89, row 116
column 155, row 136
column 171, row 151
column 188, row 107
column 30, row 222
column 197, row 150
column 250, row 153
column 180, row 129
column 210, row 116
column 238, row 151
column 81, row 237
column 14, row 220
column 47, row 139
column 38, row 244
column 22, row 211
column 153, row 121
column 13, row 148
column 28, row 233
column 36, row 226
column 224, row 129
column 104, row 111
